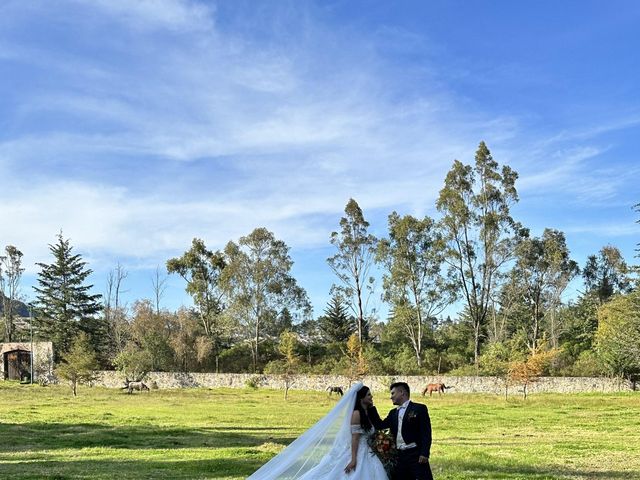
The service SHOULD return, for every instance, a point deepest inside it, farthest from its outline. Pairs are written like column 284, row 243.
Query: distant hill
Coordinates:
column 22, row 310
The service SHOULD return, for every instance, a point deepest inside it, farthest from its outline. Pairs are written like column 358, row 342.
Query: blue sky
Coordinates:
column 136, row 126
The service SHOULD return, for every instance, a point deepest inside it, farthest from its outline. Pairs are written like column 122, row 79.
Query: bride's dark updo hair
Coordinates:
column 365, row 423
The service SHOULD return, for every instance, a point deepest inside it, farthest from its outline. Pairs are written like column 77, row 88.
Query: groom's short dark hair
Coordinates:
column 403, row 385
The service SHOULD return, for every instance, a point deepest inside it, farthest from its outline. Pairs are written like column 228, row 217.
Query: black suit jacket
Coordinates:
column 416, row 425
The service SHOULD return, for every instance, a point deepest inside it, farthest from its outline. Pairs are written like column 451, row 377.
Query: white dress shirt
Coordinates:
column 400, row 443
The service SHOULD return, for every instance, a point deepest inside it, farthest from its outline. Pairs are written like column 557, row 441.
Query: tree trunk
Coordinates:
column 554, row 328
column 476, row 350
column 254, row 356
column 8, row 324
column 360, row 312
column 419, row 314
column 536, row 323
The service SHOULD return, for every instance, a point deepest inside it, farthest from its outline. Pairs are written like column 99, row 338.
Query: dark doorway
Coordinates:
column 17, row 365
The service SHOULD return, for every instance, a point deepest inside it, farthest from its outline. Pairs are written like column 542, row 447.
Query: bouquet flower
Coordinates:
column 384, row 447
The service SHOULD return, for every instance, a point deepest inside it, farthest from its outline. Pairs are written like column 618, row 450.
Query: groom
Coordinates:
column 411, row 427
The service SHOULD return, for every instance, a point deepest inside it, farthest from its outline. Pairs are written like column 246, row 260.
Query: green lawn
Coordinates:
column 227, row 434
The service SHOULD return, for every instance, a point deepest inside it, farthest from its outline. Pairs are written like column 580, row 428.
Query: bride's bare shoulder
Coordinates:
column 355, row 418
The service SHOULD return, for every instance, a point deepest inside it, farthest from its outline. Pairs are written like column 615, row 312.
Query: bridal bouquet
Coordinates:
column 384, row 446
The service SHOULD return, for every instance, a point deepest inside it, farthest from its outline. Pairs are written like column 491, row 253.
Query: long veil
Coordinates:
column 331, row 435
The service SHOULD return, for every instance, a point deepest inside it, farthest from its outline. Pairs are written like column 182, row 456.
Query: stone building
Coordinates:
column 16, row 360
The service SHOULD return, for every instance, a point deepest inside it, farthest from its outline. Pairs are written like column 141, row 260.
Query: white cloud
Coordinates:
column 619, row 122
column 554, row 168
column 607, row 229
column 177, row 15
column 286, row 131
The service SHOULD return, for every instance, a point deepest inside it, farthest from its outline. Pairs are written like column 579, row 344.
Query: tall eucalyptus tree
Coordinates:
column 480, row 233
column 607, row 273
column 352, row 264
column 542, row 271
column 259, row 287
column 415, row 285
column 202, row 269
column 11, row 270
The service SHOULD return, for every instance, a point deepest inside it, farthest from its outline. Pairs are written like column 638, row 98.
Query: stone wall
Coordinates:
column 376, row 383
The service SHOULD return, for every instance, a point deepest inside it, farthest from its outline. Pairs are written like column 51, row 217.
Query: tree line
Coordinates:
column 249, row 313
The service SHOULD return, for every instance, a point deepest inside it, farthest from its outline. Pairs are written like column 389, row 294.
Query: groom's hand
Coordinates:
column 423, row 459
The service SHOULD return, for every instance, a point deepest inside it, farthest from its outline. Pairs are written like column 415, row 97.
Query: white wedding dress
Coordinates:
column 368, row 465
column 323, row 451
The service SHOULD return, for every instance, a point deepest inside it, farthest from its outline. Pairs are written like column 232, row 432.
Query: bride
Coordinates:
column 335, row 448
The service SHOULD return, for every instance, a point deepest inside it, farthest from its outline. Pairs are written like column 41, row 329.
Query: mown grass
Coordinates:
column 228, row 434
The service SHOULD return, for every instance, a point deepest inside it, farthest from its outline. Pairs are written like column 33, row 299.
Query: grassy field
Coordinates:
column 228, row 434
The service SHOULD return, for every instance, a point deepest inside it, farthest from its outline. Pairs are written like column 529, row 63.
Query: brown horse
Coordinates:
column 434, row 387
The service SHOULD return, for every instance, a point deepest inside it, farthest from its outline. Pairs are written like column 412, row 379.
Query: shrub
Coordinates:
column 254, row 381
column 79, row 365
column 588, row 364
column 464, row 371
column 236, row 359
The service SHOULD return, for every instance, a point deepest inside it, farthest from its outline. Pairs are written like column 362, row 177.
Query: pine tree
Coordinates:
column 336, row 324
column 64, row 306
